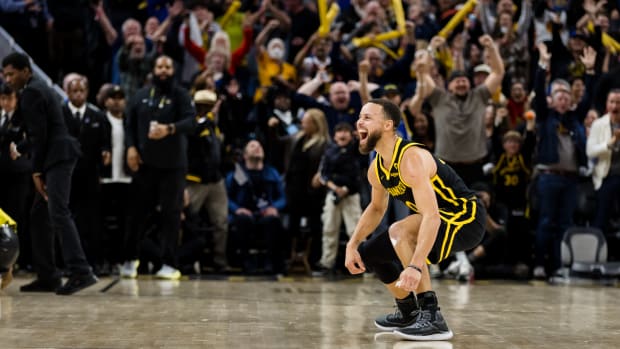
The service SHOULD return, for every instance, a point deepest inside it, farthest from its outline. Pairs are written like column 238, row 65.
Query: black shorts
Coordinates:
column 461, row 233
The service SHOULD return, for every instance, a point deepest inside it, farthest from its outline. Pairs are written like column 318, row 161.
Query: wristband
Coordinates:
column 415, row 267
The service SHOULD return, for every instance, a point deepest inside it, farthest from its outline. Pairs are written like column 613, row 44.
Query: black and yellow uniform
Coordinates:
column 511, row 176
column 462, row 215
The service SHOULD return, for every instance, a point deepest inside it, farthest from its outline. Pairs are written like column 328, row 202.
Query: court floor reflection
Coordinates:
column 302, row 313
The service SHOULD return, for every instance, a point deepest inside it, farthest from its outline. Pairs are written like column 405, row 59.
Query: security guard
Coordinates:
column 158, row 119
column 90, row 127
column 54, row 155
column 15, row 198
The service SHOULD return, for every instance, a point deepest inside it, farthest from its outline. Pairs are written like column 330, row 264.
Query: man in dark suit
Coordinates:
column 15, row 182
column 159, row 117
column 90, row 127
column 54, row 155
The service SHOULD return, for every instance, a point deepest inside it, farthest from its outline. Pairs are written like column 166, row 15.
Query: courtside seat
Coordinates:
column 584, row 253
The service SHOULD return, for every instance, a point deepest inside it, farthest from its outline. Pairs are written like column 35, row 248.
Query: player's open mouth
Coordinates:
column 363, row 135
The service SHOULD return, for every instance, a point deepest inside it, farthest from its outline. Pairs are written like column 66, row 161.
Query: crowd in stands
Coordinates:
column 223, row 132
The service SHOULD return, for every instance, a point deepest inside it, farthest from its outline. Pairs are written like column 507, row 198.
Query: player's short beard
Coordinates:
column 371, row 143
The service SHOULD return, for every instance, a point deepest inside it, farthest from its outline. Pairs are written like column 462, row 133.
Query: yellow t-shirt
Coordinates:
column 268, row 68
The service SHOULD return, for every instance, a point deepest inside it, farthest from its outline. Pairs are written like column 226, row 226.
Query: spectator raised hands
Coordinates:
column 494, row 60
column 588, row 58
column 544, row 56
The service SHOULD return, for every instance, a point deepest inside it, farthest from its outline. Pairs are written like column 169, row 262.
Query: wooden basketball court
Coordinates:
column 303, row 313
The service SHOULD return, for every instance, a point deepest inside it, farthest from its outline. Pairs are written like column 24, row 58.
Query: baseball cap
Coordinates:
column 482, row 68
column 205, row 97
column 458, row 74
column 115, row 91
column 390, row 89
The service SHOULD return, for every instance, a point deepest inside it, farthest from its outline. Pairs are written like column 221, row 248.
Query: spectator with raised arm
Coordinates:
column 461, row 141
column 219, row 60
column 302, row 23
column 272, row 65
column 343, row 104
column 512, row 38
column 561, row 151
column 135, row 64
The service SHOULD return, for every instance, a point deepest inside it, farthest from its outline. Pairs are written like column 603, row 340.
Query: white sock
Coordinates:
column 461, row 257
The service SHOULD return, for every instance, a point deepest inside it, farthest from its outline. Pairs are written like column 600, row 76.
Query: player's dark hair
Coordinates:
column 390, row 110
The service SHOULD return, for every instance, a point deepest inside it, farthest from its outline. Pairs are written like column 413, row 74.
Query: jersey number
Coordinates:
column 511, row 180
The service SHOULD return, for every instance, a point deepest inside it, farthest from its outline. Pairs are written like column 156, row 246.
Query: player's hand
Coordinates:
column 353, row 261
column 409, row 279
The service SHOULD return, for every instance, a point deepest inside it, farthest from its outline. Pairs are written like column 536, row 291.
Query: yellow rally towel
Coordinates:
column 6, row 219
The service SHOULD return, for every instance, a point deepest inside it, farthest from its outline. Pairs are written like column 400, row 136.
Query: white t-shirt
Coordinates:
column 118, row 151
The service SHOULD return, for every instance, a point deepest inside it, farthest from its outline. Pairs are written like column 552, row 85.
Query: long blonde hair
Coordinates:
column 321, row 136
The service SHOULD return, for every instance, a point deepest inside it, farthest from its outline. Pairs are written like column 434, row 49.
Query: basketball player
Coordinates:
column 447, row 218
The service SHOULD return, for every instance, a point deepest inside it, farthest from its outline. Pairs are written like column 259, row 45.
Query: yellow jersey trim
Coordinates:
column 394, row 154
column 192, row 178
column 400, row 157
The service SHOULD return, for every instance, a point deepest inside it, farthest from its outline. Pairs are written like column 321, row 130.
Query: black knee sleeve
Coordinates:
column 379, row 257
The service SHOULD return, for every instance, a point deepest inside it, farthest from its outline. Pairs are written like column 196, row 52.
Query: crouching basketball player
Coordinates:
column 447, row 218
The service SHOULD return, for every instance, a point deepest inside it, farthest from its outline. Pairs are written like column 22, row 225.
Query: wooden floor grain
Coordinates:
column 303, row 313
